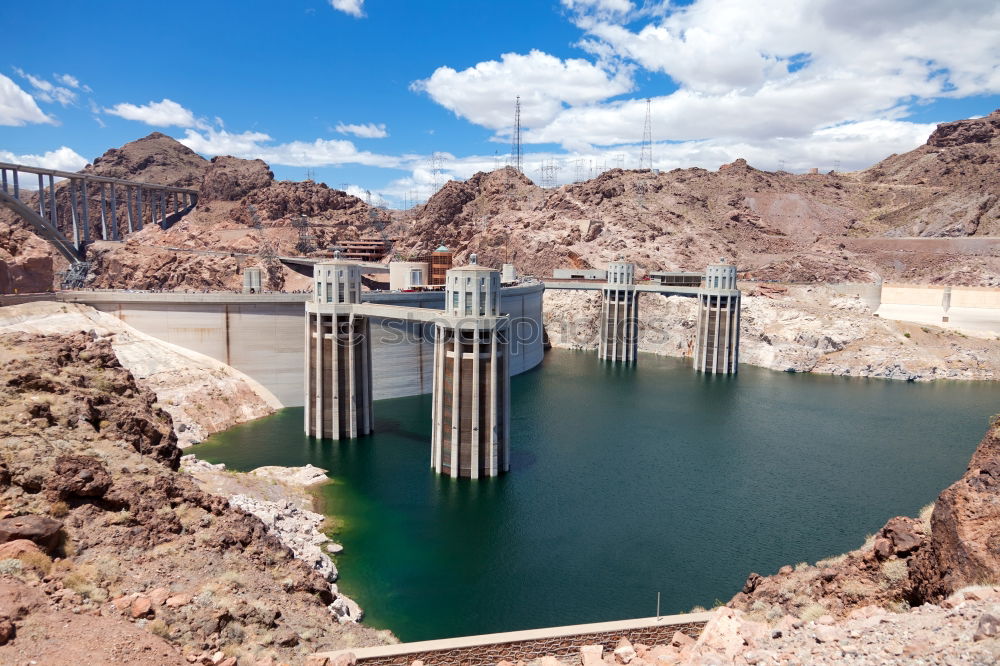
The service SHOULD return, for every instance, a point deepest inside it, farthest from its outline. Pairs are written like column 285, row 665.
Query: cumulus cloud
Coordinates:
column 366, row 131
column 60, row 159
column 253, row 145
column 17, row 107
column 46, row 91
column 484, row 94
column 165, row 113
column 822, row 63
column 353, row 7
column 599, row 6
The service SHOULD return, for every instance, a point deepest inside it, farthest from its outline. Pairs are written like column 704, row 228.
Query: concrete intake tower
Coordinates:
column 338, row 355
column 471, row 418
column 717, row 342
column 619, row 314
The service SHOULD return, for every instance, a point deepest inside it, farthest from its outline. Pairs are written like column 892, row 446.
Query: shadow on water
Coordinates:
column 626, row 481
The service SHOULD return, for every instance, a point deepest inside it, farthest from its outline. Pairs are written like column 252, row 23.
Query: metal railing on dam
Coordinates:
column 89, row 207
column 262, row 334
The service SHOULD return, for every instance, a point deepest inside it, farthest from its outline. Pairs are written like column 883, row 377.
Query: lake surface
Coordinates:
column 624, row 482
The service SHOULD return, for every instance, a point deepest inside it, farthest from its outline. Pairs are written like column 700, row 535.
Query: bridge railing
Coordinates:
column 70, row 224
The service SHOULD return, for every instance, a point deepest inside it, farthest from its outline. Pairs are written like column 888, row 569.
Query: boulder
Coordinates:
column 989, row 625
column 6, row 631
column 80, row 476
column 624, row 652
column 140, row 606
column 592, row 655
column 42, row 530
column 16, row 548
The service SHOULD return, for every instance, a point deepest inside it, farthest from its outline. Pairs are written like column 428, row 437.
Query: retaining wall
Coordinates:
column 527, row 645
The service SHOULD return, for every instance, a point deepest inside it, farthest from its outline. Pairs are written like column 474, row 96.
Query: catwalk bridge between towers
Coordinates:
column 88, row 207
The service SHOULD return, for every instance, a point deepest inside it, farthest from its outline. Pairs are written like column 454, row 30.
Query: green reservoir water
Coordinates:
column 625, row 482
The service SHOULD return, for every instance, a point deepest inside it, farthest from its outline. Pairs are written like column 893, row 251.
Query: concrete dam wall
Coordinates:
column 263, row 334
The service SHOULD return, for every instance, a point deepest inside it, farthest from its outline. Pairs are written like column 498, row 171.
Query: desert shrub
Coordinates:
column 83, row 580
column 812, row 612
column 40, row 562
column 801, row 566
column 856, row 589
column 832, row 561
column 906, row 335
column 58, row 509
column 11, row 567
column 925, row 516
column 894, row 570
column 159, row 628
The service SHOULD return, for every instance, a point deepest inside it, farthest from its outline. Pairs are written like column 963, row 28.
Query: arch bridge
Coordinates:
column 86, row 207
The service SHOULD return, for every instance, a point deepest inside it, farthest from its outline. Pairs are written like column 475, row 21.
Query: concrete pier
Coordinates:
column 717, row 345
column 338, row 355
column 619, row 339
column 471, row 392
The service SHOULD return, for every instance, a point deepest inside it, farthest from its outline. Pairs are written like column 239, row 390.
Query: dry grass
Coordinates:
column 801, row 566
column 925, row 517
column 58, row 509
column 40, row 562
column 812, row 612
column 832, row 561
column 894, row 571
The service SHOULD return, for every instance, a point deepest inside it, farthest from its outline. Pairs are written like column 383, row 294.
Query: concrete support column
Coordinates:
column 72, row 209
column 53, row 211
column 115, row 235
column 471, row 438
column 85, row 196
column 104, row 219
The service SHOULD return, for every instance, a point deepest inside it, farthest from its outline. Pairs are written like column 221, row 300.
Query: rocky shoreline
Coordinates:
column 791, row 329
column 294, row 526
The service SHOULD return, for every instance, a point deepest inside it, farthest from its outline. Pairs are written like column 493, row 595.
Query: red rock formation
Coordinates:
column 964, row 547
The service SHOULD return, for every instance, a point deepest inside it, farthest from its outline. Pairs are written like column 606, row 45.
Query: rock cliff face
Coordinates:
column 99, row 530
column 964, row 547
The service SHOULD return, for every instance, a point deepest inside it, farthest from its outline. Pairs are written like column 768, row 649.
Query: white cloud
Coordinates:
column 353, row 7
column 485, row 93
column 165, row 113
column 17, row 107
column 599, row 6
column 46, row 91
column 252, row 145
column 366, row 131
column 61, row 159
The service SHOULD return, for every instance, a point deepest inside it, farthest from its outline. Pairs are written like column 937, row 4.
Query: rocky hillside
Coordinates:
column 108, row 554
column 776, row 226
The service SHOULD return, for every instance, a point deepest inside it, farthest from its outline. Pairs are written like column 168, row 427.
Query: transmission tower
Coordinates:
column 437, row 170
column 516, row 153
column 646, row 154
column 305, row 243
column 550, row 173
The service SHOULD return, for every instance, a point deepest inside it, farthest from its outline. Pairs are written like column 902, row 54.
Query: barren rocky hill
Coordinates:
column 777, row 226
column 235, row 197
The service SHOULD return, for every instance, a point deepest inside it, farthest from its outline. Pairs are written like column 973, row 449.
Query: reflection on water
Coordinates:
column 625, row 482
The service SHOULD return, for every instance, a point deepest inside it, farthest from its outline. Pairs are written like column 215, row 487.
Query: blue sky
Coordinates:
column 365, row 92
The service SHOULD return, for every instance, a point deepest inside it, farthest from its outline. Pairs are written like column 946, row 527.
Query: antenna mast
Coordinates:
column 516, row 153
column 646, row 154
